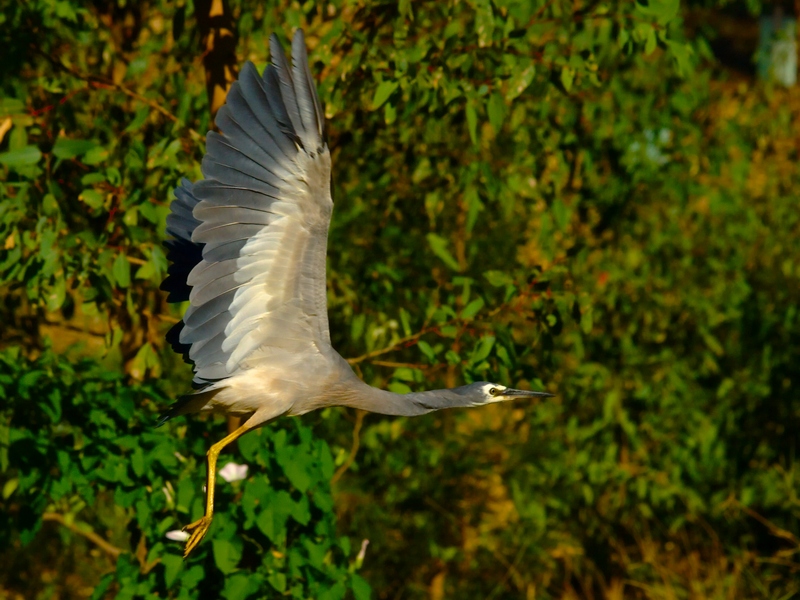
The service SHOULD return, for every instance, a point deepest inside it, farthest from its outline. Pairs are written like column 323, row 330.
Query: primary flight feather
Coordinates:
column 247, row 246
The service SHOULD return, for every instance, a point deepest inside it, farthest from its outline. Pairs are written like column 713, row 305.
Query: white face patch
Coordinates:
column 494, row 392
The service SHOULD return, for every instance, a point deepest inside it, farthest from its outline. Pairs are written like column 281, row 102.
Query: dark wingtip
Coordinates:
column 174, row 340
column 164, row 418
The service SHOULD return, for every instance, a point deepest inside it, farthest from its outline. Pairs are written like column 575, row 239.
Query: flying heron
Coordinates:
column 247, row 247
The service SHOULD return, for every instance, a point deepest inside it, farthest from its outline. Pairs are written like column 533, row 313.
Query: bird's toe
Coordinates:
column 197, row 531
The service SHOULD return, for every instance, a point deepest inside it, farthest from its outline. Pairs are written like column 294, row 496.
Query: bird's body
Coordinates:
column 248, row 246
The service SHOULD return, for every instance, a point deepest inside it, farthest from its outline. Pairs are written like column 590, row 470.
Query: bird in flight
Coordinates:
column 247, row 246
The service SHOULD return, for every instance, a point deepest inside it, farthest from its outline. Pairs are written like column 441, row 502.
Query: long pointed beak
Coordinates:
column 510, row 393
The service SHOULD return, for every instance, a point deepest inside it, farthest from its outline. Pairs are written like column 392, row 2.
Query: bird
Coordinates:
column 247, row 246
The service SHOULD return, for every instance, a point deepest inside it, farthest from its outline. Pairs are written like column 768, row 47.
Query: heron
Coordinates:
column 247, row 246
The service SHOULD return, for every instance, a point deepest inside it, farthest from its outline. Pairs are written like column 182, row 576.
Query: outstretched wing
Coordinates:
column 260, row 218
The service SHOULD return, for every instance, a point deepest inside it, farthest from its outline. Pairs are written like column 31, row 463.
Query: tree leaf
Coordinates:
column 65, row 148
column 122, row 270
column 519, row 82
column 226, row 555
column 472, row 309
column 496, row 109
column 472, row 122
column 482, row 349
column 361, row 589
column 567, row 77
column 484, row 22
column 439, row 247
column 92, row 198
column 474, row 206
column 382, row 93
column 29, row 155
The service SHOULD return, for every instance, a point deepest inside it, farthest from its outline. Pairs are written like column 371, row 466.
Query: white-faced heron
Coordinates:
column 248, row 247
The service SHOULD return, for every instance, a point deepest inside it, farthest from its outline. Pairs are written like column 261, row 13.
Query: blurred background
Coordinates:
column 595, row 198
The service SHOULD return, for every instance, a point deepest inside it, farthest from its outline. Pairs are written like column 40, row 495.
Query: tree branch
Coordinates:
column 353, row 449
column 773, row 529
column 395, row 346
column 97, row 81
column 108, row 548
column 432, row 328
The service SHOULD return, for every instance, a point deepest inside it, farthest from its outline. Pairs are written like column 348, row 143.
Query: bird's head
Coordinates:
column 485, row 392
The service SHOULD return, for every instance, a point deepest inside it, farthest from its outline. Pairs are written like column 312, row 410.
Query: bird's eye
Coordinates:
column 493, row 392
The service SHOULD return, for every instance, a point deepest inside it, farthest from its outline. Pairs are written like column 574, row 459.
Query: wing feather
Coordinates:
column 196, row 316
column 208, row 290
column 214, row 235
column 223, row 251
column 181, row 251
column 219, row 194
column 284, row 77
column 272, row 87
column 206, row 272
column 210, row 213
column 254, row 230
column 207, row 330
column 234, row 172
column 255, row 92
column 246, row 126
column 248, row 155
column 303, row 85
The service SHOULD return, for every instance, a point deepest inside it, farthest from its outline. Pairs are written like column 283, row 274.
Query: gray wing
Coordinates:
column 261, row 217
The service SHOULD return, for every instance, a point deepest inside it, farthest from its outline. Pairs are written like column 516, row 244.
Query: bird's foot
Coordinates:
column 198, row 530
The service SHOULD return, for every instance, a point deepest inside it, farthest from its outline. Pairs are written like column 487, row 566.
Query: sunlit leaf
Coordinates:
column 29, row 155
column 382, row 93
column 439, row 247
column 66, row 148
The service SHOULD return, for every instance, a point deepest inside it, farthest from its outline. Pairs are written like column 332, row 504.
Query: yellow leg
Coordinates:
column 199, row 528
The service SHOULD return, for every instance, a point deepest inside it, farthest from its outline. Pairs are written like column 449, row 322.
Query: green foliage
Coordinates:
column 526, row 192
column 79, row 438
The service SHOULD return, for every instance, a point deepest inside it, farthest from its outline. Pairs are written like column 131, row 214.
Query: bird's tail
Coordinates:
column 189, row 403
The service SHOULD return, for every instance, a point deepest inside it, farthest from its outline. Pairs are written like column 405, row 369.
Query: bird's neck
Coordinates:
column 360, row 395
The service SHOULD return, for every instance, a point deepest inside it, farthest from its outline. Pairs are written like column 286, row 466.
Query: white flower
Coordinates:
column 176, row 535
column 362, row 552
column 233, row 472
column 169, row 493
